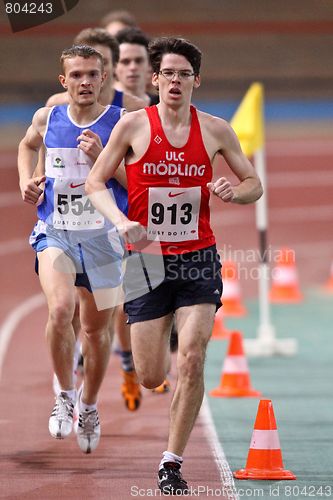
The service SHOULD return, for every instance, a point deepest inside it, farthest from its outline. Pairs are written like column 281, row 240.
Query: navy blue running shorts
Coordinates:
column 189, row 279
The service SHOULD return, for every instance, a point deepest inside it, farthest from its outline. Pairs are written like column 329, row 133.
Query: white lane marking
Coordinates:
column 278, row 215
column 13, row 319
column 14, row 246
column 227, row 481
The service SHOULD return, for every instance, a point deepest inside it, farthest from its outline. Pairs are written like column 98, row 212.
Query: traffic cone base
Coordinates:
column 264, row 460
column 233, row 308
column 285, row 294
column 276, row 475
column 230, row 392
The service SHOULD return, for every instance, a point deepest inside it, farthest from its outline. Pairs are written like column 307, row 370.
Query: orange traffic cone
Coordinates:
column 231, row 297
column 219, row 330
column 329, row 284
column 235, row 378
column 264, row 460
column 285, row 287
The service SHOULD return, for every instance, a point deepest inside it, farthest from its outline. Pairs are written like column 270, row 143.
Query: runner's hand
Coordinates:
column 31, row 191
column 222, row 188
column 90, row 143
column 131, row 231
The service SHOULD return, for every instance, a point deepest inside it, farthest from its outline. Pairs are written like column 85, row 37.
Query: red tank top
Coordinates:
column 167, row 190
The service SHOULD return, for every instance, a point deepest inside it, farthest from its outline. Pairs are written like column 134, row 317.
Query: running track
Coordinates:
column 33, row 465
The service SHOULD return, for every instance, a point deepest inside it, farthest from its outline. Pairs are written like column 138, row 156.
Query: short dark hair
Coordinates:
column 82, row 51
column 121, row 16
column 99, row 36
column 169, row 45
column 134, row 36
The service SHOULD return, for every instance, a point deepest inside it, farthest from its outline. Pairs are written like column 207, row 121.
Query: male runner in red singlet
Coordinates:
column 169, row 151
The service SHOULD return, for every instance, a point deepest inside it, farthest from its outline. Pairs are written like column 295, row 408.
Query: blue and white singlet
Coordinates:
column 65, row 205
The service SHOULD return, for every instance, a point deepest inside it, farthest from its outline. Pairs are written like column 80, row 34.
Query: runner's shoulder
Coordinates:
column 40, row 117
column 134, row 119
column 213, row 124
column 58, row 99
column 133, row 103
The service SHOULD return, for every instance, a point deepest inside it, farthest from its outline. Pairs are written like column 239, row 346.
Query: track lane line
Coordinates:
column 226, row 477
column 12, row 321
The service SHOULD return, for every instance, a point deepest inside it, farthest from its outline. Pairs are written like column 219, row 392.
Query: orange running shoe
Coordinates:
column 130, row 390
column 164, row 387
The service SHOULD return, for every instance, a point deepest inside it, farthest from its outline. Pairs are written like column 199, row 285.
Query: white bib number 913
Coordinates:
column 173, row 214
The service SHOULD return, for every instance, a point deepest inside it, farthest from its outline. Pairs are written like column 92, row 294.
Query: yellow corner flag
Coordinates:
column 248, row 121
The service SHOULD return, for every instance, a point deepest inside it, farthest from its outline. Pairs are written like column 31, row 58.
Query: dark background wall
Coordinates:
column 286, row 44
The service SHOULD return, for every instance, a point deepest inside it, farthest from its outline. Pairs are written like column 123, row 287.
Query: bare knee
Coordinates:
column 150, row 379
column 190, row 365
column 96, row 336
column 61, row 314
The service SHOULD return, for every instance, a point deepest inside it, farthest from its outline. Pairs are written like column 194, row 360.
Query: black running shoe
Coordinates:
column 170, row 480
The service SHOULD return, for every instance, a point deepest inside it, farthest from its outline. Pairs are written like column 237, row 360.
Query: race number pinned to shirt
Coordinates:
column 173, row 213
column 72, row 208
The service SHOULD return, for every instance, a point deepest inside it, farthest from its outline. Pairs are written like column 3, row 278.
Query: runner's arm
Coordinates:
column 28, row 157
column 104, row 169
column 249, row 188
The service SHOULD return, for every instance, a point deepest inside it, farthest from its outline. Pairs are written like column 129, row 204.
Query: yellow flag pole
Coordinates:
column 248, row 123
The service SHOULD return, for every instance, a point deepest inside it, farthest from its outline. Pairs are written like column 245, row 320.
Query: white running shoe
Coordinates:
column 61, row 419
column 88, row 431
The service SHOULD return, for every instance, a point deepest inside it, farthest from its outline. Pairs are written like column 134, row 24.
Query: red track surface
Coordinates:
column 33, row 465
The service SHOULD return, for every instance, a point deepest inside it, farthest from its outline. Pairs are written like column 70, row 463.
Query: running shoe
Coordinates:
column 170, row 480
column 164, row 387
column 130, row 390
column 61, row 419
column 88, row 430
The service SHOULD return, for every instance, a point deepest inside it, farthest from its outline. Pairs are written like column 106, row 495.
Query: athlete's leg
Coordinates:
column 194, row 324
column 60, row 295
column 151, row 349
column 95, row 344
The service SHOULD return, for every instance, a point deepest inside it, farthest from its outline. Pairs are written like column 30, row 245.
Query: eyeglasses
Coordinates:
column 183, row 74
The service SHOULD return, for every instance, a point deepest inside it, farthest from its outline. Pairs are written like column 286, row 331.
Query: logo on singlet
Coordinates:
column 172, row 169
column 172, row 195
column 157, row 139
column 72, row 185
column 58, row 163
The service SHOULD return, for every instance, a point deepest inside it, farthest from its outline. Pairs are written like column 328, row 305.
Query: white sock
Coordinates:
column 168, row 456
column 71, row 394
column 86, row 408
